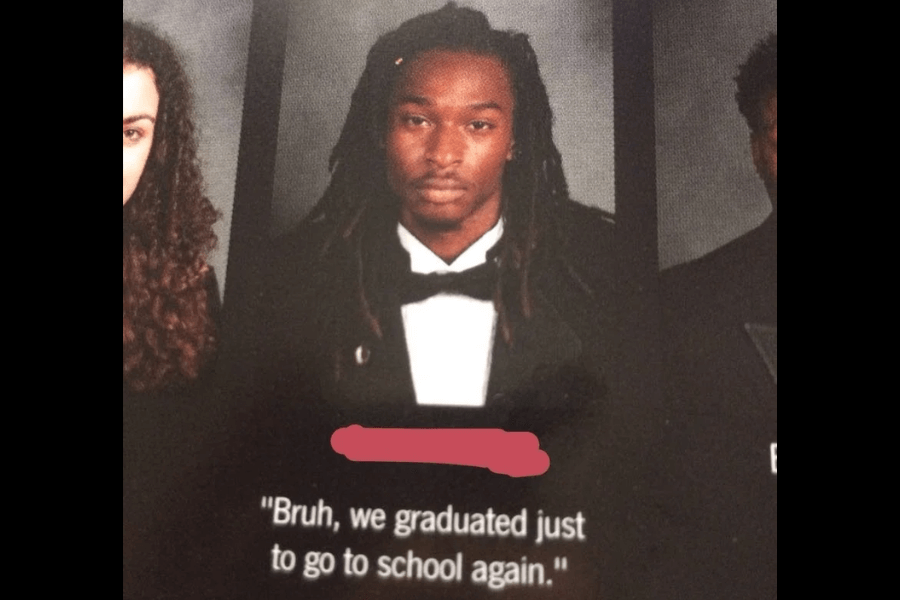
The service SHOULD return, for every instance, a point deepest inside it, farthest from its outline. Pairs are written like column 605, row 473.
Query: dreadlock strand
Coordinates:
column 502, row 315
column 368, row 316
column 353, row 221
column 530, row 242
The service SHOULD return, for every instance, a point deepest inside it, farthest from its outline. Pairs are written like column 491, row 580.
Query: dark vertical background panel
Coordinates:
column 638, row 418
column 255, row 178
column 635, row 135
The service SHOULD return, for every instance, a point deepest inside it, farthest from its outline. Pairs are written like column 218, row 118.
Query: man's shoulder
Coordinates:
column 741, row 274
column 586, row 218
column 758, row 243
column 583, row 256
column 587, row 233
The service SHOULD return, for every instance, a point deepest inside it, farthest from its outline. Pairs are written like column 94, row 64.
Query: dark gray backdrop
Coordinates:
column 707, row 189
column 326, row 53
column 212, row 37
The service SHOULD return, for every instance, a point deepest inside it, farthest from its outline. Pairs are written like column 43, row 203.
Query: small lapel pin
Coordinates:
column 362, row 354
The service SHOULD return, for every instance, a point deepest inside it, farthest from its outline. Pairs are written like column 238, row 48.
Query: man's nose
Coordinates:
column 445, row 146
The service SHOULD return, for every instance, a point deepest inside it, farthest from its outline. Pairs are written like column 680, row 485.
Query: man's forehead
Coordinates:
column 458, row 77
column 406, row 98
column 439, row 59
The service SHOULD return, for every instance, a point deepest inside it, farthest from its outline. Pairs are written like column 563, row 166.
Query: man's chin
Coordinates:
column 438, row 222
column 437, row 217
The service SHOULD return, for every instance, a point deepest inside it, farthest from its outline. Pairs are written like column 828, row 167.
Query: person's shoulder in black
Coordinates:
column 718, row 500
column 588, row 240
column 737, row 280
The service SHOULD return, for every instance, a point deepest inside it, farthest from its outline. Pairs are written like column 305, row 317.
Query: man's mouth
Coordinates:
column 439, row 184
column 440, row 190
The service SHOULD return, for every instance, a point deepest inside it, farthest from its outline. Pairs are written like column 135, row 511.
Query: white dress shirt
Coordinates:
column 449, row 337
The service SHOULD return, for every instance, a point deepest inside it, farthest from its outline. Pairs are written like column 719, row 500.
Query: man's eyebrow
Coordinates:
column 489, row 105
column 410, row 99
column 423, row 101
column 135, row 118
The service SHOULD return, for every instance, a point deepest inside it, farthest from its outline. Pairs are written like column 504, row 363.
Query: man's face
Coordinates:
column 765, row 148
column 449, row 135
column 140, row 101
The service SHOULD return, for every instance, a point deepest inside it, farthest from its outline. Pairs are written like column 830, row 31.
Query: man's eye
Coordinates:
column 415, row 120
column 480, row 125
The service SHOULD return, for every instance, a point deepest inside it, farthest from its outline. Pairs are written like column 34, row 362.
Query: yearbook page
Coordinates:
column 491, row 309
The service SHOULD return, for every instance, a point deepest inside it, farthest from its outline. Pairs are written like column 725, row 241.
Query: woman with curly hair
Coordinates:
column 169, row 293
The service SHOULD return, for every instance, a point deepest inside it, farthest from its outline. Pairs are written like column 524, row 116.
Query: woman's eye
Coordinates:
column 132, row 135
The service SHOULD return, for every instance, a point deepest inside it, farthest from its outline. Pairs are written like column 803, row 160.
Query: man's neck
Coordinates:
column 423, row 259
column 450, row 243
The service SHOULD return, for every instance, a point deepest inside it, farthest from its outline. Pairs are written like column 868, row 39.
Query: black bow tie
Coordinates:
column 477, row 282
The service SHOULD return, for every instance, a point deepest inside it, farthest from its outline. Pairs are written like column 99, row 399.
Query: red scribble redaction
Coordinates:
column 513, row 453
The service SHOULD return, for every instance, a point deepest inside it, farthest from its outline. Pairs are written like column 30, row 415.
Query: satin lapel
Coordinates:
column 556, row 367
column 377, row 380
column 542, row 347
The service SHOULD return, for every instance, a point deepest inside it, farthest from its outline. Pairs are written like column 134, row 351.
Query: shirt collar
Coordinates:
column 423, row 260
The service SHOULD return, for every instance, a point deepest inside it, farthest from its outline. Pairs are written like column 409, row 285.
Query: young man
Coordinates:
column 720, row 326
column 743, row 273
column 445, row 277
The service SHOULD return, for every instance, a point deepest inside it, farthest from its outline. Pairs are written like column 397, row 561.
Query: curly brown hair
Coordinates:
column 168, row 331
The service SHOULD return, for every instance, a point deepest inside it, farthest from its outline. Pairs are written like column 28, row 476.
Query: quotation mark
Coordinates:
column 267, row 502
column 560, row 564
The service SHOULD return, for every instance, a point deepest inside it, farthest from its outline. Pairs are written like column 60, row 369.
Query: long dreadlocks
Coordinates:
column 534, row 186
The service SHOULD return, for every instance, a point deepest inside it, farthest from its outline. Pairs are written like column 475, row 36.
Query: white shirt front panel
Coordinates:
column 449, row 337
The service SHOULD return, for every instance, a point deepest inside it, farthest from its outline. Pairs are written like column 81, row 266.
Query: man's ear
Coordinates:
column 511, row 153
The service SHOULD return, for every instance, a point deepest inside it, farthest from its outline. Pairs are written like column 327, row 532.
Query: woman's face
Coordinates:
column 140, row 102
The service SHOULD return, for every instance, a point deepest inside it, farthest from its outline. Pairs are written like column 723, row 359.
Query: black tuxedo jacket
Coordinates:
column 720, row 491
column 314, row 337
